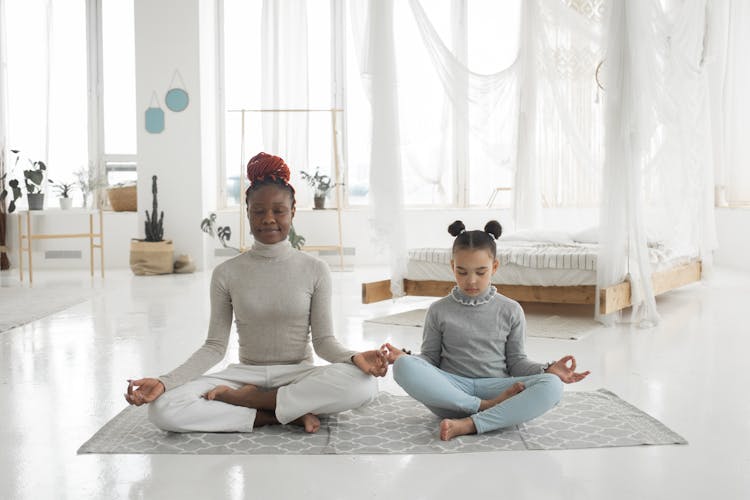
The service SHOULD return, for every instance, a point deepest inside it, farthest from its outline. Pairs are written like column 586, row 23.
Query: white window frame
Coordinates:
column 100, row 163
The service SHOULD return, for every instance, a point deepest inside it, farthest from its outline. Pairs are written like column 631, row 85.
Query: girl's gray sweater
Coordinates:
column 477, row 337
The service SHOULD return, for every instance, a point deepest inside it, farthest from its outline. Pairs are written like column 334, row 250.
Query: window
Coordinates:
column 118, row 100
column 301, row 60
column 47, row 84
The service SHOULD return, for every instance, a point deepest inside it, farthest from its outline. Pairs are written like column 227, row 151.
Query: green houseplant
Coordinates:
column 223, row 233
column 89, row 182
column 63, row 189
column 15, row 189
column 321, row 183
column 34, row 177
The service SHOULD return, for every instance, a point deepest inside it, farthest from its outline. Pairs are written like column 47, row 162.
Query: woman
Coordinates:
column 281, row 301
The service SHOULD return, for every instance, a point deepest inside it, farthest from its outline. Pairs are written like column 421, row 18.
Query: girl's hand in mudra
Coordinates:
column 565, row 368
column 391, row 353
column 371, row 362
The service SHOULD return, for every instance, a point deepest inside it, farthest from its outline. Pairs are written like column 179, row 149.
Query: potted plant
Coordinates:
column 88, row 182
column 322, row 184
column 15, row 189
column 152, row 255
column 223, row 233
column 63, row 189
column 34, row 176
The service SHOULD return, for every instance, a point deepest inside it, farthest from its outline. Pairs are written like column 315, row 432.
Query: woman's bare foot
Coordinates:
column 450, row 428
column 213, row 393
column 506, row 394
column 310, row 422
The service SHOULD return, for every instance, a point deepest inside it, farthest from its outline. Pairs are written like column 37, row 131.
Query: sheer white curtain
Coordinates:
column 729, row 78
column 658, row 173
column 483, row 107
column 4, row 263
column 560, row 144
column 372, row 24
column 424, row 121
column 632, row 91
column 284, row 79
column 47, row 84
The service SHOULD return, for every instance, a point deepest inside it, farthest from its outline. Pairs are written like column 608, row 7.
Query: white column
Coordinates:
column 168, row 39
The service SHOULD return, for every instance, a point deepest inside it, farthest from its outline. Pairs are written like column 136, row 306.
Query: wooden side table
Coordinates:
column 29, row 236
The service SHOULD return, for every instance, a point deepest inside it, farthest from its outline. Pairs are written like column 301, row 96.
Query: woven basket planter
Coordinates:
column 148, row 258
column 123, row 199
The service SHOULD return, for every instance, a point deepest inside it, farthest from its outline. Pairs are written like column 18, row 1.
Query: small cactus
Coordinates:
column 154, row 228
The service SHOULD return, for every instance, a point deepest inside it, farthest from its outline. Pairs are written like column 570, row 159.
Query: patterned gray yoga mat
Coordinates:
column 399, row 424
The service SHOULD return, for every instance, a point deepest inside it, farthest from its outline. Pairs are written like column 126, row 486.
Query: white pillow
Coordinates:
column 591, row 235
column 539, row 236
column 588, row 235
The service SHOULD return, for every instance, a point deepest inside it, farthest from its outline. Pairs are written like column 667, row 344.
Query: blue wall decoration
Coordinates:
column 177, row 98
column 154, row 116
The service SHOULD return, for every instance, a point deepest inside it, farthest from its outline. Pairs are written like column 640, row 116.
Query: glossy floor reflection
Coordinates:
column 62, row 378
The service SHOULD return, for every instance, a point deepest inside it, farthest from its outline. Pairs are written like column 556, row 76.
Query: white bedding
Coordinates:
column 532, row 263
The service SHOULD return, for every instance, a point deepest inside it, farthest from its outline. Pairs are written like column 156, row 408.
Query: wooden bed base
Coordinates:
column 611, row 299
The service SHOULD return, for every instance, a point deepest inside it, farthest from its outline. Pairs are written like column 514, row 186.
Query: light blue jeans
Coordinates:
column 453, row 396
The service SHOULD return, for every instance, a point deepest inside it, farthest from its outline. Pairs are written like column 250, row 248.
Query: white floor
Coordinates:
column 62, row 378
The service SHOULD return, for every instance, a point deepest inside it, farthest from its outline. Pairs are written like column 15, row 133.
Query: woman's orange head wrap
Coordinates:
column 265, row 167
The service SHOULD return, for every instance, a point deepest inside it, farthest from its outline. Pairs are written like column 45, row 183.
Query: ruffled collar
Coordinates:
column 274, row 251
column 482, row 298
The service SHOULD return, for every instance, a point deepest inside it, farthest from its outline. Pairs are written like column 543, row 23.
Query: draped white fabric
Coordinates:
column 284, row 79
column 729, row 78
column 658, row 173
column 631, row 100
column 386, row 186
column 483, row 107
column 3, row 95
column 3, row 89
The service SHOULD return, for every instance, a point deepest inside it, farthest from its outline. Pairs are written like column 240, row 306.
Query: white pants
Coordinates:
column 302, row 389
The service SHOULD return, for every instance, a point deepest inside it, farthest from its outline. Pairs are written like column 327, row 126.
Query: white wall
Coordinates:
column 167, row 38
column 733, row 234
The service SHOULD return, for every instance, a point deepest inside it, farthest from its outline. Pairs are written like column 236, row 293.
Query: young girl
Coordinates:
column 280, row 299
column 472, row 369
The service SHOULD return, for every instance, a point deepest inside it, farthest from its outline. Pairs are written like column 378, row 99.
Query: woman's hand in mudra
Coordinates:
column 143, row 391
column 565, row 368
column 371, row 362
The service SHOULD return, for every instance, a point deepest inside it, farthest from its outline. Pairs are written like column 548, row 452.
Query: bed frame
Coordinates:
column 612, row 298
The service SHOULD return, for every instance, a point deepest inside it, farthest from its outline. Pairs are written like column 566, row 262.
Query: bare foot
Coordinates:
column 310, row 422
column 506, row 394
column 219, row 389
column 450, row 428
column 232, row 396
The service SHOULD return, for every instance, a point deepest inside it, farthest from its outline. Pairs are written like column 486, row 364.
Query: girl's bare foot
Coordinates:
column 506, row 394
column 310, row 422
column 450, row 428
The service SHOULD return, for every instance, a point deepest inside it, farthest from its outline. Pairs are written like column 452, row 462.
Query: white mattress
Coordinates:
column 532, row 263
